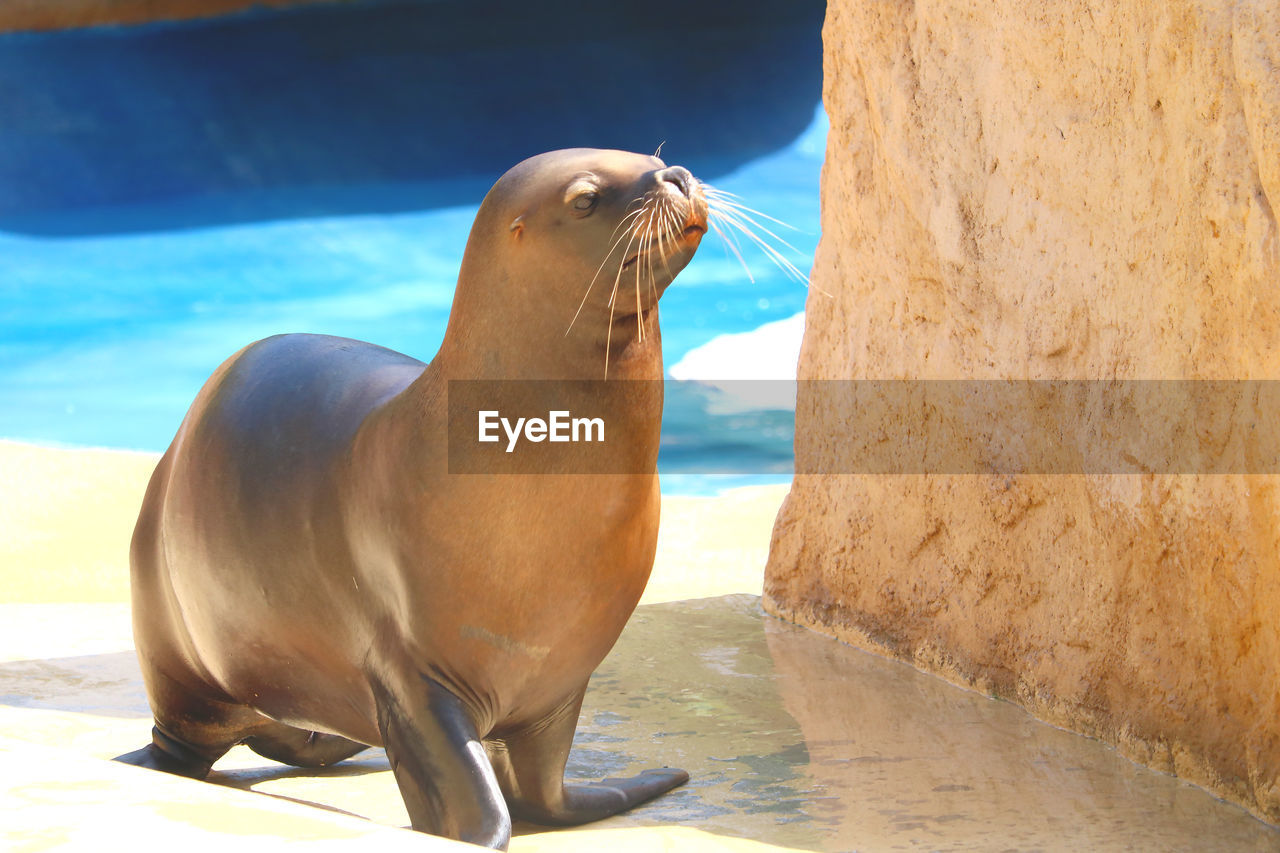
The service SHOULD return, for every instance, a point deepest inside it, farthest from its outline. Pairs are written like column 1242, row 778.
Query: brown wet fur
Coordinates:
column 309, row 579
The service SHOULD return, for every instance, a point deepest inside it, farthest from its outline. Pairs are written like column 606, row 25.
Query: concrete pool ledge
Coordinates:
column 63, row 799
column 792, row 740
column 54, row 799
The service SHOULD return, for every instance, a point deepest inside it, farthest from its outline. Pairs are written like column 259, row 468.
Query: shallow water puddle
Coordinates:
column 790, row 738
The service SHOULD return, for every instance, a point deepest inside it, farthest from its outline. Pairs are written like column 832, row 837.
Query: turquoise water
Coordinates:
column 116, row 304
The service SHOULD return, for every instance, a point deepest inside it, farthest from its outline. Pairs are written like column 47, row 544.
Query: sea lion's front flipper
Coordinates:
column 440, row 765
column 530, row 768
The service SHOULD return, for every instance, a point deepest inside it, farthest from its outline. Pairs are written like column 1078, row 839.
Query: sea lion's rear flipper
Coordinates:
column 170, row 755
column 302, row 748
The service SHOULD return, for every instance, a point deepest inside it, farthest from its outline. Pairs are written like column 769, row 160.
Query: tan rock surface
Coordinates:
column 1054, row 190
column 37, row 15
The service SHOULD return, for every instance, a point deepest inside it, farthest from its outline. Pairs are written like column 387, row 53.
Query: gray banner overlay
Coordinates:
column 881, row 427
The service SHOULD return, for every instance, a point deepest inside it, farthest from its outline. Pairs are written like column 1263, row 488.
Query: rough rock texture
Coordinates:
column 1054, row 189
column 35, row 15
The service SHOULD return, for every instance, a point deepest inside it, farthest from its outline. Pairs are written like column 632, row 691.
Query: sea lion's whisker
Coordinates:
column 634, row 232
column 671, row 218
column 608, row 335
column 629, row 221
column 657, row 241
column 654, row 227
column 733, row 220
column 631, row 239
column 613, row 296
column 646, row 243
column 735, row 216
column 674, row 231
column 743, row 217
column 607, row 255
column 772, row 253
column 720, row 198
column 731, row 243
column 630, row 215
column 675, row 223
column 667, row 242
column 657, row 238
column 666, row 224
column 778, row 259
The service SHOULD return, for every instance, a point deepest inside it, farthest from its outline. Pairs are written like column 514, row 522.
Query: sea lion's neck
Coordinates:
column 543, row 345
column 485, row 350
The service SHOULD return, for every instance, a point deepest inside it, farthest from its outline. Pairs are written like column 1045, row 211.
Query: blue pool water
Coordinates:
column 172, row 192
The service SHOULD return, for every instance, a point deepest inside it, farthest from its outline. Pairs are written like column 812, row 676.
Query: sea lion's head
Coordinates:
column 578, row 245
column 618, row 224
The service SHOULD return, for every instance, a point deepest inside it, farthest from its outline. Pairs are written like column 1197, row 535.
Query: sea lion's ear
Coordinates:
column 517, row 226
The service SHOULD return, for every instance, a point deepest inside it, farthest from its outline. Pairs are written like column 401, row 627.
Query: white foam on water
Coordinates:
column 751, row 370
column 768, row 352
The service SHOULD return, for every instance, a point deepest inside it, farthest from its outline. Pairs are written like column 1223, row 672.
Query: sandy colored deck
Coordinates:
column 793, row 741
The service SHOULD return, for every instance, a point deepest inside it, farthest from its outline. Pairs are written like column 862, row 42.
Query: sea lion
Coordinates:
column 308, row 578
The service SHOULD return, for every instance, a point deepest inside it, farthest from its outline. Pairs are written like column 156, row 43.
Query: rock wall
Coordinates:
column 1054, row 189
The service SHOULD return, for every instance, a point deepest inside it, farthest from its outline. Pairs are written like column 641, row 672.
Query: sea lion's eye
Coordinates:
column 582, row 194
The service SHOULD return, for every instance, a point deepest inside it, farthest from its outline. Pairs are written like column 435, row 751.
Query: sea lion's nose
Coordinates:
column 678, row 175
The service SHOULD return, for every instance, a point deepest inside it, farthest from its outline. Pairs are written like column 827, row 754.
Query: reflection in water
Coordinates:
column 694, row 684
column 790, row 738
column 824, row 747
